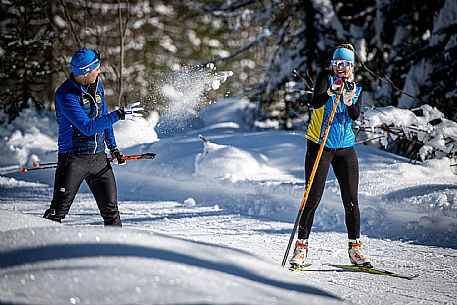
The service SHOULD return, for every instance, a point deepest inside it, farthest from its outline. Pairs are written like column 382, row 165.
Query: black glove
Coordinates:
column 116, row 153
column 335, row 87
column 349, row 86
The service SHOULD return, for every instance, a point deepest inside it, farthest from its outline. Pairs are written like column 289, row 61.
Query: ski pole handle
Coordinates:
column 38, row 164
column 136, row 157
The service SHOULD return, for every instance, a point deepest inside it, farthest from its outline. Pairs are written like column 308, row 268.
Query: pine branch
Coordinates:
column 399, row 133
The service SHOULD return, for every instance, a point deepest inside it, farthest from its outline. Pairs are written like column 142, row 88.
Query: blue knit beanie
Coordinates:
column 84, row 61
column 343, row 53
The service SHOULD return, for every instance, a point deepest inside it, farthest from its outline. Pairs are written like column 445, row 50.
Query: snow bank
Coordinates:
column 14, row 221
column 6, row 182
column 57, row 264
column 31, row 134
column 229, row 162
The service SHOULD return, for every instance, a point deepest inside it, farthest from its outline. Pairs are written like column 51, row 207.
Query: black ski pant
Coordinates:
column 346, row 168
column 71, row 170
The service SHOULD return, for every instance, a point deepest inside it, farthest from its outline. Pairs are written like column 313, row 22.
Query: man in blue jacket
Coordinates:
column 85, row 130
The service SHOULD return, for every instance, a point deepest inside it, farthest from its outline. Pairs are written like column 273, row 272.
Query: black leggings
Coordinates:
column 346, row 168
column 71, row 170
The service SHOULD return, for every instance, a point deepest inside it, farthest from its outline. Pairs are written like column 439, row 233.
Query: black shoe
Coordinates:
column 51, row 215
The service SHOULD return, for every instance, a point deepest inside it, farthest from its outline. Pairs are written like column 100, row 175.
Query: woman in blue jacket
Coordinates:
column 85, row 129
column 338, row 151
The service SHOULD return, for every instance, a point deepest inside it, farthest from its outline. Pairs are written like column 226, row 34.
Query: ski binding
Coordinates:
column 295, row 268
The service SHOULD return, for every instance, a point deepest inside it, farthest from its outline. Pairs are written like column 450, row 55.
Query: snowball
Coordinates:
column 190, row 202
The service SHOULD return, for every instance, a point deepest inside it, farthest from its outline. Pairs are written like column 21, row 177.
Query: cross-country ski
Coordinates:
column 374, row 270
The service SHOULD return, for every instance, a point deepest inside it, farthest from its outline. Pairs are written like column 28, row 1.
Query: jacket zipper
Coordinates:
column 343, row 127
column 96, row 112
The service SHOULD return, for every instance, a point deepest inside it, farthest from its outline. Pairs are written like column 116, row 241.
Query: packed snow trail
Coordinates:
column 267, row 239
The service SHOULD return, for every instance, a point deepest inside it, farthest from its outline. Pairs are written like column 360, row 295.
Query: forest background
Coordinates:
column 406, row 51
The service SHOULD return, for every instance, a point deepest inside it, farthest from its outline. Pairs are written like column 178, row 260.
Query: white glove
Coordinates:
column 130, row 112
column 335, row 87
column 349, row 95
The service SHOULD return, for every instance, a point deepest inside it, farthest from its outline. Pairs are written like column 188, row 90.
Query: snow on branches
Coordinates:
column 425, row 128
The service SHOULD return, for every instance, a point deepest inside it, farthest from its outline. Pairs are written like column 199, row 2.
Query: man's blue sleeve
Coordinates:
column 109, row 132
column 68, row 105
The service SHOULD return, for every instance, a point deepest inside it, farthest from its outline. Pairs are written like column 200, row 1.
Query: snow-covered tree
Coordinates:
column 441, row 88
column 404, row 46
column 282, row 32
column 157, row 37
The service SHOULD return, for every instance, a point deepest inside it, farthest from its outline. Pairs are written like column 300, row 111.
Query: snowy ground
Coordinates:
column 237, row 194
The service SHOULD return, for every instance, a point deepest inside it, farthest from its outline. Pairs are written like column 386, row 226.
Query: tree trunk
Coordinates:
column 72, row 27
column 120, row 91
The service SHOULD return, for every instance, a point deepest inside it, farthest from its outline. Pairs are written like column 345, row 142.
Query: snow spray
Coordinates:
column 184, row 93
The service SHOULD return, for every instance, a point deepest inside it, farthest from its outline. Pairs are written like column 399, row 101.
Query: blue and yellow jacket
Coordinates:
column 82, row 115
column 340, row 134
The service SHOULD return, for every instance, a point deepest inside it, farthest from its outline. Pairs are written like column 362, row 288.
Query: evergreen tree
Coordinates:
column 276, row 48
column 400, row 64
column 441, row 89
column 160, row 37
column 26, row 61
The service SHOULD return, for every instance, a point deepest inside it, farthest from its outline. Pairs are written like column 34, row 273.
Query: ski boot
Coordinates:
column 300, row 254
column 356, row 255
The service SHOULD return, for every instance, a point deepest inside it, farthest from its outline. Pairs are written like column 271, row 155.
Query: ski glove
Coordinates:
column 116, row 153
column 335, row 87
column 349, row 94
column 130, row 112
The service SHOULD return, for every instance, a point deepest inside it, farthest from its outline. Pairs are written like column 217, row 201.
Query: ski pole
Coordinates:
column 136, row 157
column 313, row 173
column 9, row 169
column 38, row 166
column 25, row 169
